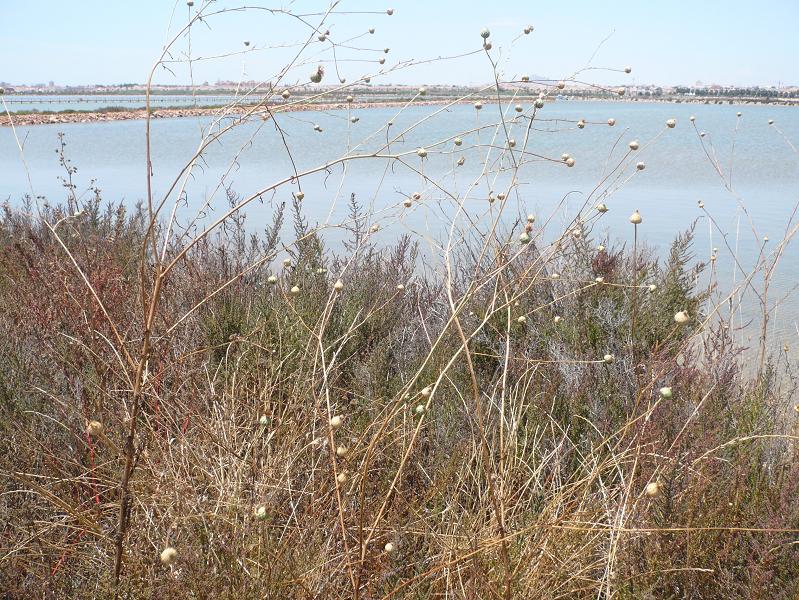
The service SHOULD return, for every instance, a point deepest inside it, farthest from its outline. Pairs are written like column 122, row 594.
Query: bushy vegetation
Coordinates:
column 480, row 454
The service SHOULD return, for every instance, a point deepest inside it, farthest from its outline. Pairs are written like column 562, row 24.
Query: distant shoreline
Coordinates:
column 104, row 115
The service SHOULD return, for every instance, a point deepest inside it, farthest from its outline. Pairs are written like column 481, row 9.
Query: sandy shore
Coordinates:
column 20, row 120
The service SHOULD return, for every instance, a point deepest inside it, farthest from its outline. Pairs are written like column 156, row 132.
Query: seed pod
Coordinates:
column 681, row 317
column 528, row 29
column 525, row 78
column 260, row 513
column 381, row 60
column 652, row 287
column 286, row 94
column 478, row 105
column 419, row 409
column 350, row 98
column 321, row 37
column 512, row 143
column 653, row 489
column 421, row 153
column 522, row 319
column 374, row 228
column 389, row 548
column 570, row 162
column 272, row 279
column 484, row 33
column 295, row 290
column 671, row 123
column 336, row 422
column 640, row 166
column 341, row 477
column 190, row 3
column 599, row 279
column 501, row 196
column 457, row 141
column 342, row 451
column 339, row 285
column 771, row 121
column 354, row 119
column 602, row 207
column 317, row 128
column 416, row 196
column 487, row 46
column 407, row 203
column 426, row 391
column 422, row 91
column 342, row 80
column 628, row 69
column 263, row 421
column 635, row 218
column 539, row 103
column 386, row 50
column 316, row 76
column 400, row 287
column 561, row 84
column 557, row 319
column 168, row 554
column 634, row 145
column 600, row 248
column 286, row 262
column 246, row 42
column 620, row 91
column 518, row 108
column 371, row 30
column 608, row 358
column 524, row 238
column 738, row 114
column 531, row 218
column 300, row 196
column 461, row 160
column 565, row 156
column 665, row 392
column 390, row 11
column 94, row 428
column 580, row 124
column 611, row 121
column 692, row 118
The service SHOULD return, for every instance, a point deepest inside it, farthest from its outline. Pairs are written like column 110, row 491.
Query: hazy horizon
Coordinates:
column 724, row 43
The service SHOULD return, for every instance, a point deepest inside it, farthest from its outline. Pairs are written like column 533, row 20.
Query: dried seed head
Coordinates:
column 321, row 37
column 652, row 287
column 342, row 80
column 487, row 45
column 692, row 118
column 478, row 105
column 522, row 319
column 300, row 196
column 671, row 123
column 700, row 204
column 422, row 91
column 416, row 196
column 168, row 554
column 620, row 91
column 94, row 428
column 286, row 94
column 246, row 42
column 354, row 119
column 316, row 76
column 501, row 196
column 738, row 114
column 602, row 207
column 599, row 279
column 421, row 152
column 263, row 421
column 640, row 166
column 457, row 141
column 286, row 262
column 524, row 238
column 295, row 290
column 484, row 33
column 350, row 98
column 260, row 513
column 525, row 78
column 531, row 218
column 681, row 317
column 419, row 409
column 608, row 358
column 272, row 279
column 634, row 145
column 374, row 228
column 557, row 319
column 341, row 477
column 336, row 421
column 426, row 391
column 407, row 203
column 570, row 162
column 461, row 160
column 518, row 108
column 665, row 392
column 565, row 156
column 389, row 11
column 342, row 451
column 389, row 548
column 371, row 30
column 635, row 218
column 317, row 128
column 400, row 287
column 771, row 121
column 381, row 60
column 339, row 285
column 539, row 103
column 386, row 50
column 628, row 69
column 528, row 29
column 512, row 143
column 600, row 248
column 653, row 489
column 580, row 124
column 555, row 276
column 190, row 3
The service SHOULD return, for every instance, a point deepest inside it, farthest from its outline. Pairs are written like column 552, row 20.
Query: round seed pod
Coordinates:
column 286, row 94
column 461, row 160
column 354, row 119
column 300, row 196
column 531, row 218
column 422, row 91
column 190, row 3
column 525, row 78
column 628, row 69
column 700, row 204
column 608, row 358
column 316, row 76
column 390, row 11
column 561, row 84
column 681, row 317
column 487, row 45
column 389, row 548
column 339, row 285
column 272, row 279
column 416, row 196
column 263, row 421
column 620, row 91
column 400, row 287
column 341, row 477
column 611, row 121
column 317, row 128
column 321, row 37
column 350, row 98
column 295, row 290
column 652, row 287
column 94, row 428
column 457, row 141
column 580, row 124
column 557, row 319
column 381, row 60
column 421, row 153
column 407, row 203
column 336, row 421
column 522, row 319
column 246, row 42
column 371, row 30
column 528, row 29
column 539, row 103
column 666, row 393
column 602, row 207
column 570, row 162
column 565, row 156
column 260, row 513
column 478, row 105
column 771, row 121
column 634, row 145
column 342, row 80
column 738, row 114
column 524, row 238
column 512, row 143
column 168, row 555
column 484, row 33
column 286, row 262
column 518, row 108
column 671, row 123
column 420, row 408
column 342, row 451
column 426, row 391
column 635, row 218
column 692, row 118
column 600, row 248
column 640, row 166
column 599, row 279
column 555, row 276
column 653, row 489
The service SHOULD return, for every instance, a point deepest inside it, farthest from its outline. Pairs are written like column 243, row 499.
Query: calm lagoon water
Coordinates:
column 678, row 174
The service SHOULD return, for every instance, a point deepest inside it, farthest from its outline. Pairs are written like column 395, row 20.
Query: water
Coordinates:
column 678, row 173
column 89, row 102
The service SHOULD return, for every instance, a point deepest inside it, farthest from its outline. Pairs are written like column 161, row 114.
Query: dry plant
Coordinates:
column 488, row 407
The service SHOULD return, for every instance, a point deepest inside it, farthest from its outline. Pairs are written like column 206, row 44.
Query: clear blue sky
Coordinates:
column 665, row 41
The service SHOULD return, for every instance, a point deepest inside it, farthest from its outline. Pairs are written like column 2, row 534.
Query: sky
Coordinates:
column 666, row 42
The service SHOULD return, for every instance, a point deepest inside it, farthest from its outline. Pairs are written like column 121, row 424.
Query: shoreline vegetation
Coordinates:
column 114, row 113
